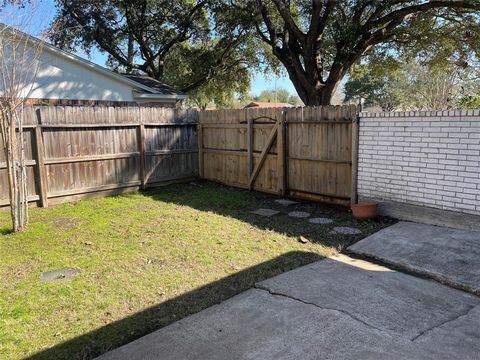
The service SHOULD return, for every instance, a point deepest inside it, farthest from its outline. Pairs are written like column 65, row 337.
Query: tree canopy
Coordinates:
column 186, row 43
column 318, row 41
column 412, row 86
column 281, row 95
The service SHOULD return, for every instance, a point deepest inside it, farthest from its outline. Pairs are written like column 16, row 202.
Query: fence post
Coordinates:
column 281, row 163
column 355, row 140
column 141, row 149
column 250, row 146
column 41, row 175
column 200, row 148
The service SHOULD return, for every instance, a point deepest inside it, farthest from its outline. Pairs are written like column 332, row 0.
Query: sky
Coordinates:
column 44, row 11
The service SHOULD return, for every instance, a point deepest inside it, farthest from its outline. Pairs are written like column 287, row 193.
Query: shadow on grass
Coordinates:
column 6, row 231
column 130, row 328
column 237, row 203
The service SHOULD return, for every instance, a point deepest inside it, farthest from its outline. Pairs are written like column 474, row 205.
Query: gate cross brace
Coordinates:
column 263, row 155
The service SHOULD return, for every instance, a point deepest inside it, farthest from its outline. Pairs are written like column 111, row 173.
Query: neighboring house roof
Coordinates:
column 257, row 104
column 146, row 89
column 153, row 84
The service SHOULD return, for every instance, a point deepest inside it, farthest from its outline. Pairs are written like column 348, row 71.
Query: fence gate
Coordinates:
column 307, row 152
column 239, row 148
column 321, row 153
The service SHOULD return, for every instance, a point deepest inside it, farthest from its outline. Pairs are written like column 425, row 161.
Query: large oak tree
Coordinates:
column 194, row 40
column 318, row 41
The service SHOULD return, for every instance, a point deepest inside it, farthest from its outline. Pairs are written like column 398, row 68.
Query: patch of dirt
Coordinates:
column 14, row 275
column 65, row 223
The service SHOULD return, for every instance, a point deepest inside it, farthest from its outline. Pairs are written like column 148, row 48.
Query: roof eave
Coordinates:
column 81, row 60
column 142, row 97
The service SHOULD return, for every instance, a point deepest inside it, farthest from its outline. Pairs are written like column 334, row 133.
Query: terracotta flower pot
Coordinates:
column 364, row 211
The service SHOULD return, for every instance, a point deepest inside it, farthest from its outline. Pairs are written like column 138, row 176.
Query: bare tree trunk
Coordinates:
column 12, row 172
column 16, row 170
column 24, row 179
column 19, row 63
column 23, row 193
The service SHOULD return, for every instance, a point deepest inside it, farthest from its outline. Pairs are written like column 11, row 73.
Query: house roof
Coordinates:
column 154, row 89
column 153, row 84
column 259, row 104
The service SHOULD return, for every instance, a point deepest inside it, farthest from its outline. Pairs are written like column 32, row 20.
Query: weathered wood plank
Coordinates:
column 281, row 158
column 263, row 156
column 312, row 154
column 355, row 144
column 88, row 150
column 41, row 177
column 200, row 149
column 141, row 150
column 250, row 145
column 70, row 160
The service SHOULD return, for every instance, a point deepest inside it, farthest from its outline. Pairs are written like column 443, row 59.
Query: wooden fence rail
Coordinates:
column 77, row 152
column 307, row 152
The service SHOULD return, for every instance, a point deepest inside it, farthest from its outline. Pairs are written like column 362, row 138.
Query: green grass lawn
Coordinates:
column 146, row 260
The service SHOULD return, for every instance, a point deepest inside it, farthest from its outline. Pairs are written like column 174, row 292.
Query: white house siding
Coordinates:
column 63, row 78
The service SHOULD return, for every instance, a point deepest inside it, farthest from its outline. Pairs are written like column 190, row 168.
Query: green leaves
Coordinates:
column 408, row 84
column 186, row 43
column 470, row 102
column 319, row 41
column 279, row 96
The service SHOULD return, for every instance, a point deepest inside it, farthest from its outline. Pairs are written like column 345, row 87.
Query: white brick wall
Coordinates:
column 421, row 158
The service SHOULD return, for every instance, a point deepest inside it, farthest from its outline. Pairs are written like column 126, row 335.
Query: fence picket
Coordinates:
column 78, row 152
column 312, row 157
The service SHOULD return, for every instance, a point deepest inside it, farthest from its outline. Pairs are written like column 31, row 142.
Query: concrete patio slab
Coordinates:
column 390, row 301
column 338, row 308
column 257, row 325
column 459, row 336
column 447, row 255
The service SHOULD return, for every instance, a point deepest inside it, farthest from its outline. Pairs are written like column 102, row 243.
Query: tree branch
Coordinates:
column 434, row 4
column 285, row 13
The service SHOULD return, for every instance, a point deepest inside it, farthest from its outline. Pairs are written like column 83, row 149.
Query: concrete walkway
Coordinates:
column 338, row 308
column 447, row 255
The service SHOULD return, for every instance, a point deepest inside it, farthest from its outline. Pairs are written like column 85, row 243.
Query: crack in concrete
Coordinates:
column 409, row 269
column 453, row 318
column 274, row 293
column 385, row 331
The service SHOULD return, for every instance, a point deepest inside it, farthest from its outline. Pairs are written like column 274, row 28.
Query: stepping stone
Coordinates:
column 320, row 221
column 60, row 275
column 285, row 202
column 345, row 230
column 299, row 214
column 265, row 212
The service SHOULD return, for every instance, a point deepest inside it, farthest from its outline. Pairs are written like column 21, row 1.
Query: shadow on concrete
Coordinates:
column 123, row 331
column 226, row 201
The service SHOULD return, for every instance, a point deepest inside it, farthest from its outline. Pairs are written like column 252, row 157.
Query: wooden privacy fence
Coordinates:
column 74, row 152
column 308, row 152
